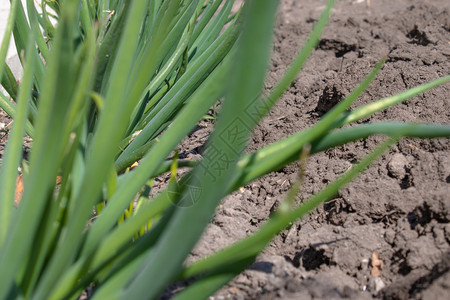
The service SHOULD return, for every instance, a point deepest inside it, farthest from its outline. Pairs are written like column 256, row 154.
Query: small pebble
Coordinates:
column 397, row 166
column 376, row 284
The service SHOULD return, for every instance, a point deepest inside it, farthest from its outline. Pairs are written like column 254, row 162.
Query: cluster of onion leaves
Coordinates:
column 117, row 81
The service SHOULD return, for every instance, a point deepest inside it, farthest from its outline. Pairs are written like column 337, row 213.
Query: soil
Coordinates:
column 387, row 234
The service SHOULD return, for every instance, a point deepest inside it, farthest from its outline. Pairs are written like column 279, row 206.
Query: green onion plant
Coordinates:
column 117, row 81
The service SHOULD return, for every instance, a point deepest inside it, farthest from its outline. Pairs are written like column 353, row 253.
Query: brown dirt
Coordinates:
column 4, row 129
column 399, row 208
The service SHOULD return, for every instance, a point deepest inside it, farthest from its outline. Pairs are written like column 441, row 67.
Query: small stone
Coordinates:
column 397, row 166
column 389, row 236
column 376, row 284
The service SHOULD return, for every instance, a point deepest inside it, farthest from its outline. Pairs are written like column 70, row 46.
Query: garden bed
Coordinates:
column 399, row 208
column 385, row 235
